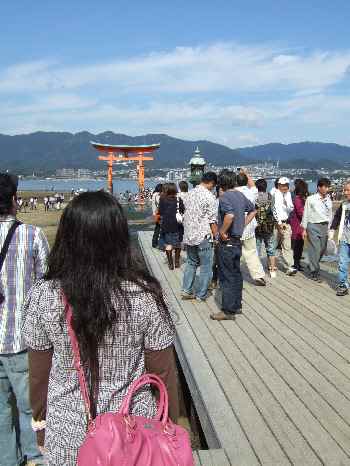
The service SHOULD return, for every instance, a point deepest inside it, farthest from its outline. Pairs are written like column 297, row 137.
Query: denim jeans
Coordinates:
column 198, row 256
column 231, row 280
column 269, row 242
column 14, row 379
column 343, row 264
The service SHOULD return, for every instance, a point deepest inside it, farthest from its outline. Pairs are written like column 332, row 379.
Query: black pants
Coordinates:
column 216, row 263
column 156, row 234
column 231, row 281
column 298, row 247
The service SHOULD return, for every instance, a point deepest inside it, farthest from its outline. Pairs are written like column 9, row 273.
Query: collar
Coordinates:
column 322, row 198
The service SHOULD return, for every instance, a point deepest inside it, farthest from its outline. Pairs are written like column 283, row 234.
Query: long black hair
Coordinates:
column 91, row 260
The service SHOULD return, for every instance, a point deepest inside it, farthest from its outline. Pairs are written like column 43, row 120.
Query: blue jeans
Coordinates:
column 14, row 380
column 231, row 280
column 343, row 264
column 198, row 256
column 269, row 242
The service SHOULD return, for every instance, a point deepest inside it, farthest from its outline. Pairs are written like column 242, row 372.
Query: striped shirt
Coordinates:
column 25, row 263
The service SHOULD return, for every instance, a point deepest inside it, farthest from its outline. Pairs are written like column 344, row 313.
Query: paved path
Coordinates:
column 273, row 387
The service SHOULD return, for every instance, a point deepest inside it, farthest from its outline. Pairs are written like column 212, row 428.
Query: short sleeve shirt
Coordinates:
column 235, row 203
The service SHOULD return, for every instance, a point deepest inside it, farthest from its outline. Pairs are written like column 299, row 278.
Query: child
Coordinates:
column 342, row 221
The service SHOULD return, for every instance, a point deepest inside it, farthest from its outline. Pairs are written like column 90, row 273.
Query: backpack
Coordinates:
column 264, row 217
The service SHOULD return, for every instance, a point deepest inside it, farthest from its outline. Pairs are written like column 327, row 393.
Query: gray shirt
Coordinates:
column 235, row 203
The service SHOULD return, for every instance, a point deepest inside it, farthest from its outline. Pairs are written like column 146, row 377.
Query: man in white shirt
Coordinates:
column 282, row 208
column 247, row 187
column 316, row 221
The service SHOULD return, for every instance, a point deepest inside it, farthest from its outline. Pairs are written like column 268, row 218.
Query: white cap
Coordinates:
column 283, row 180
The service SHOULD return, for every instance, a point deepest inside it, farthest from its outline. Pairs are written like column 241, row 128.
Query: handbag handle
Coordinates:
column 148, row 379
column 77, row 360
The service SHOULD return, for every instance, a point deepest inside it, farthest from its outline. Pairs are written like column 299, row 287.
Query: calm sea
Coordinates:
column 93, row 185
column 68, row 185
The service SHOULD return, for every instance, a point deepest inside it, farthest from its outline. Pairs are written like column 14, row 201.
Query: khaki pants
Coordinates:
column 250, row 255
column 285, row 241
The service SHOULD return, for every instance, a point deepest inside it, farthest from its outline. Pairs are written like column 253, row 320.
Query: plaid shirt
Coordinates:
column 25, row 262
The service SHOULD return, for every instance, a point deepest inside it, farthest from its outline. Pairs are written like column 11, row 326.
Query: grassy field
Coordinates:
column 49, row 220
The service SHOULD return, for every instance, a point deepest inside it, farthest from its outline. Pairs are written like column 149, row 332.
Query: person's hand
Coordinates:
column 304, row 235
column 331, row 234
column 223, row 236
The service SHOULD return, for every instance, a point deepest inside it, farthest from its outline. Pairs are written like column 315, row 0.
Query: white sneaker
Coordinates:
column 291, row 271
column 273, row 274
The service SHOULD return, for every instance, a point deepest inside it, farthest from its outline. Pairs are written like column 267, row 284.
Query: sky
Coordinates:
column 239, row 73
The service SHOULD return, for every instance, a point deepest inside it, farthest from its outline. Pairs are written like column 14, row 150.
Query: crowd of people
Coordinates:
column 128, row 197
column 230, row 216
column 119, row 314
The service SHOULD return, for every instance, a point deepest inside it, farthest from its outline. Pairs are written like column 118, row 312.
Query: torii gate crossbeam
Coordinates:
column 120, row 153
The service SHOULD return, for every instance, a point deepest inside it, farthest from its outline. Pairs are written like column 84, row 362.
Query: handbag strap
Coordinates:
column 7, row 242
column 77, row 360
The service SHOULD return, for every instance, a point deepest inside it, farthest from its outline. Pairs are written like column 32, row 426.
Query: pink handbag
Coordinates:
column 120, row 439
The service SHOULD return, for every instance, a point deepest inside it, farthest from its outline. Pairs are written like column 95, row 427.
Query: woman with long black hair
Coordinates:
column 170, row 208
column 121, row 320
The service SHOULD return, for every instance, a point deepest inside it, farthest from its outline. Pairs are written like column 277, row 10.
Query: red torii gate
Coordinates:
column 120, row 153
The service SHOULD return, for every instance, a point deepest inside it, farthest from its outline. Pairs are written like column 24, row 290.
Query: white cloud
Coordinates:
column 216, row 68
column 233, row 94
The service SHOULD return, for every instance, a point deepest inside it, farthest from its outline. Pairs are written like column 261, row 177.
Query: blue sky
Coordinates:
column 234, row 72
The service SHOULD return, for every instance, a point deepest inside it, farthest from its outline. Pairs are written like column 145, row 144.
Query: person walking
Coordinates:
column 264, row 231
column 200, row 226
column 282, row 208
column 301, row 193
column 341, row 222
column 155, row 205
column 235, row 212
column 170, row 209
column 21, row 265
column 315, row 223
column 246, row 185
column 120, row 318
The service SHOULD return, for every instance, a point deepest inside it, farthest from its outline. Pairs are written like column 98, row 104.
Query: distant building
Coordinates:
column 84, row 173
column 170, row 176
column 66, row 173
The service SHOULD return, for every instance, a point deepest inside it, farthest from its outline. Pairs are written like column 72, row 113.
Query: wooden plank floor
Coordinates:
column 273, row 387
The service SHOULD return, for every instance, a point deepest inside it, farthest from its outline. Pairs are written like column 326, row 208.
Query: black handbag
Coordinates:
column 5, row 249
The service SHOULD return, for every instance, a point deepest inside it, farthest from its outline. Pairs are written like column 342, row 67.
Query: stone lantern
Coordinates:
column 197, row 165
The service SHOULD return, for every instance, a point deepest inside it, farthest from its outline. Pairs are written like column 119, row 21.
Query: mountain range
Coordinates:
column 47, row 151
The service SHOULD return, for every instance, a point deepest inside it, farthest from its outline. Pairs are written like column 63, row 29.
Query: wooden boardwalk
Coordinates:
column 272, row 387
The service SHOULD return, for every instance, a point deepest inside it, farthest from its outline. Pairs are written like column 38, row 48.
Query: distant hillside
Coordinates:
column 47, row 151
column 304, row 154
